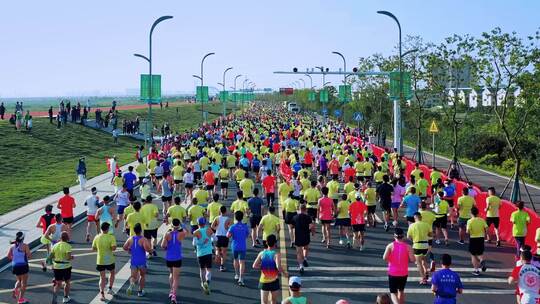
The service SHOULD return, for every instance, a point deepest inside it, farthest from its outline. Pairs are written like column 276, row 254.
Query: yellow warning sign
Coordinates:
column 433, row 128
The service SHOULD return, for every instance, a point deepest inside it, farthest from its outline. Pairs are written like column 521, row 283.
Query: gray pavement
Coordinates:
column 333, row 274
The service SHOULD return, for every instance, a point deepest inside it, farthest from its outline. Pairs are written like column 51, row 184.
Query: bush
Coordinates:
column 490, row 160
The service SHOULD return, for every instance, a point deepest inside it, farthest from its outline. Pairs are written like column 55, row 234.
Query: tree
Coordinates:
column 506, row 61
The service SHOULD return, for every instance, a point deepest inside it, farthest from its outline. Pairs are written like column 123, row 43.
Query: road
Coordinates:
column 333, row 274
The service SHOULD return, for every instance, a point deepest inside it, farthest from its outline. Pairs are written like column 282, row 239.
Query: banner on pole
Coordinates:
column 344, row 93
column 145, row 88
column 202, row 94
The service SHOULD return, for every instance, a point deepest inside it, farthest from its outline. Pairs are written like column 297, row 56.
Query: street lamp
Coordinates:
column 202, row 83
column 398, row 140
column 223, row 84
column 303, row 82
column 344, row 81
column 235, row 78
column 244, row 91
column 149, row 60
column 328, row 82
column 310, row 81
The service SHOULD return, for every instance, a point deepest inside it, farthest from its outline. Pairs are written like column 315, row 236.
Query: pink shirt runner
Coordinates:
column 325, row 207
column 398, row 261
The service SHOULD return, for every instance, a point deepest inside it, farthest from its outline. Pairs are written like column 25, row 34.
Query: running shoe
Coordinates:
column 340, row 241
column 476, row 273
column 257, row 242
column 141, row 293
column 498, row 243
column 129, row 290
column 154, row 253
column 221, row 268
column 102, row 299
column 461, row 242
column 206, row 287
column 15, row 293
column 301, row 270
column 386, row 227
column 88, row 238
column 236, row 277
column 438, row 242
column 241, row 283
column 483, row 266
column 66, row 299
column 305, row 263
column 172, row 299
column 349, row 245
column 109, row 291
column 23, row 301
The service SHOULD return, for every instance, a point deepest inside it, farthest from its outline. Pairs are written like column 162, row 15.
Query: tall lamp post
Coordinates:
column 223, row 84
column 202, row 84
column 244, row 91
column 398, row 140
column 303, row 82
column 344, row 82
column 149, row 60
column 235, row 78
column 310, row 81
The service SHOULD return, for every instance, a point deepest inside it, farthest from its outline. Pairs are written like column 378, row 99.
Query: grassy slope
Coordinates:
column 41, row 163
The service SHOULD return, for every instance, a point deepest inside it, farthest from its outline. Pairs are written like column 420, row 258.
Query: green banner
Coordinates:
column 311, row 96
column 344, row 93
column 224, row 96
column 202, row 94
column 145, row 88
column 323, row 95
column 395, row 88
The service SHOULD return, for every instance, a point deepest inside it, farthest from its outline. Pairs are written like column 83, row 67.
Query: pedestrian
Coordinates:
column 464, row 205
column 137, row 246
column 398, row 254
column 476, row 227
column 303, row 228
column 105, row 245
column 18, row 254
column 446, row 283
column 115, row 136
column 202, row 240
column 440, row 207
column 269, row 262
column 270, row 225
column 419, row 233
column 66, row 204
column 295, row 284
column 527, row 278
column 221, row 225
column 238, row 233
column 343, row 220
column 520, row 219
column 326, row 215
column 411, row 202
column 44, row 222
column 172, row 243
column 256, row 206
column 290, row 207
column 81, row 173
column 151, row 223
column 493, row 203
column 132, row 218
column 92, row 205
column 2, row 111
column 122, row 201
column 357, row 213
column 130, row 179
column 384, row 193
column 107, row 213
column 61, row 256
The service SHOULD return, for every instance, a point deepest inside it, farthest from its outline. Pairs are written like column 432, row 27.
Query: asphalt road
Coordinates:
column 335, row 273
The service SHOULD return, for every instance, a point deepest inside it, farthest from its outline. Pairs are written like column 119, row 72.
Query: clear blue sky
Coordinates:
column 60, row 47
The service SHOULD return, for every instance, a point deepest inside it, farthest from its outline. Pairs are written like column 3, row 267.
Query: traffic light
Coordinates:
column 295, row 70
column 355, row 70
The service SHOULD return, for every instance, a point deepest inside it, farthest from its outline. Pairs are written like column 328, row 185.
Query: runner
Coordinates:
column 357, row 212
column 44, row 222
column 419, row 232
column 397, row 198
column 133, row 218
column 176, row 212
column 167, row 189
column 270, row 225
column 66, row 204
column 224, row 177
column 527, row 278
column 269, row 186
column 303, row 227
column 137, row 246
column 105, row 245
column 107, row 214
column 295, row 284
column 203, row 244
column 428, row 217
column 343, row 220
column 464, row 205
column 194, row 213
column 220, row 226
column 92, row 205
column 210, row 181
column 269, row 262
column 178, row 173
column 239, row 232
column 256, row 207
column 384, row 193
column 370, row 198
column 412, row 202
column 214, row 208
column 18, row 254
column 440, row 207
column 290, row 206
column 130, row 179
column 189, row 182
column 62, row 257
column 446, row 283
column 122, row 199
column 398, row 254
column 326, row 215
column 493, row 203
column 172, row 243
column 312, row 196
column 150, row 212
column 476, row 227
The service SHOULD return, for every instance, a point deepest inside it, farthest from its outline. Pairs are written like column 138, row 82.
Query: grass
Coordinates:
column 40, row 163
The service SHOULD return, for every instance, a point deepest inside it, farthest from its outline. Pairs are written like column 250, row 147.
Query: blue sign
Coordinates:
column 357, row 116
column 325, row 111
column 337, row 112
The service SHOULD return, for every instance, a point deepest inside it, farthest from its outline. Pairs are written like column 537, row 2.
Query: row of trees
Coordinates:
column 505, row 135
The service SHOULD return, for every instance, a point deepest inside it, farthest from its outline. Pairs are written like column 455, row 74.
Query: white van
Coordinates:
column 293, row 107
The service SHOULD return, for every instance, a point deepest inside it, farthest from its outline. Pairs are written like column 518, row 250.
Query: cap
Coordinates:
column 333, row 156
column 201, row 220
column 342, row 301
column 295, row 282
column 398, row 231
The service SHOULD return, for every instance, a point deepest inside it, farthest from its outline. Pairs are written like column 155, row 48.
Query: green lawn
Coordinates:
column 41, row 163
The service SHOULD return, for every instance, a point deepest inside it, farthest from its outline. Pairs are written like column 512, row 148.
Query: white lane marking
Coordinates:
column 351, row 269
column 49, row 285
column 73, row 270
column 76, row 255
column 385, row 278
column 122, row 276
column 489, row 291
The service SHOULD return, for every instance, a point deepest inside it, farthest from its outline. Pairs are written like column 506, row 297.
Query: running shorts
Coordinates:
column 396, row 283
column 476, row 246
column 174, row 264
column 109, row 267
column 62, row 274
column 222, row 241
column 493, row 220
column 205, row 261
column 152, row 233
column 272, row 286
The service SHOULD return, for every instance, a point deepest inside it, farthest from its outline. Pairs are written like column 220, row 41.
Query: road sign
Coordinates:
column 202, row 94
column 311, row 96
column 337, row 112
column 345, row 93
column 394, row 85
column 156, row 88
column 323, row 95
column 223, row 96
column 357, row 116
column 433, row 128
column 325, row 111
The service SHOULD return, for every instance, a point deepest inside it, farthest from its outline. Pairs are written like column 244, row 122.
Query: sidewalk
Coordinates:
column 25, row 218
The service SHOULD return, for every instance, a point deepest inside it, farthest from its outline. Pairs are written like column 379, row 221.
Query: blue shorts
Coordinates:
column 462, row 222
column 137, row 267
column 239, row 255
column 395, row 205
column 120, row 209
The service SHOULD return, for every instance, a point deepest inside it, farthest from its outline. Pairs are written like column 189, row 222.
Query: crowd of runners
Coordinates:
column 299, row 173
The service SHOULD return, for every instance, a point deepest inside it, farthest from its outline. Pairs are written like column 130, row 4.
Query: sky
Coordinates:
column 67, row 48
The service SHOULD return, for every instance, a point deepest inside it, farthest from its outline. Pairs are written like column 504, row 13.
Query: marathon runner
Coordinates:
column 18, row 254
column 398, row 254
column 105, row 245
column 137, row 246
column 172, row 243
